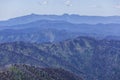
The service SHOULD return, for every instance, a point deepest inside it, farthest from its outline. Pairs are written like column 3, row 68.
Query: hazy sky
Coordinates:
column 13, row 8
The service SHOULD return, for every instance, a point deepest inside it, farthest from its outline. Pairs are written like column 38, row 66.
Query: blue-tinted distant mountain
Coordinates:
column 40, row 35
column 69, row 18
column 101, row 29
column 54, row 31
column 36, row 35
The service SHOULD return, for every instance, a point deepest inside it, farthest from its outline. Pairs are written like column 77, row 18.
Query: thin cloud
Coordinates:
column 43, row 2
column 117, row 6
column 68, row 3
column 96, row 6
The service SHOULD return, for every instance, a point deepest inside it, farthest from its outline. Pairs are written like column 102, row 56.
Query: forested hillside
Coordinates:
column 87, row 57
column 27, row 72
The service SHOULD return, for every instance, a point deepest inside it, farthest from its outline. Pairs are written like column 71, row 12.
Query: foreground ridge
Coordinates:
column 27, row 72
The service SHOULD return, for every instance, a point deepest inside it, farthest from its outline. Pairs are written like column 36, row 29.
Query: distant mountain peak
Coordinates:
column 72, row 18
column 33, row 14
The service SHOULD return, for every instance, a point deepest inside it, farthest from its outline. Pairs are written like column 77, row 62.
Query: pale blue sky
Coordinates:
column 14, row 8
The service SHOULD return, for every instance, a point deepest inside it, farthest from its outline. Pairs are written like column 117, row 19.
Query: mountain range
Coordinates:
column 66, row 17
column 53, row 31
column 60, row 47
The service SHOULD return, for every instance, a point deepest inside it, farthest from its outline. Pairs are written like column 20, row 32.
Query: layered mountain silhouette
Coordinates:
column 66, row 17
column 27, row 72
column 90, row 58
column 47, row 47
column 54, row 31
column 36, row 35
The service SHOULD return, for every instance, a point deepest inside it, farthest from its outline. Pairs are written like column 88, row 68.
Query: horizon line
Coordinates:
column 67, row 14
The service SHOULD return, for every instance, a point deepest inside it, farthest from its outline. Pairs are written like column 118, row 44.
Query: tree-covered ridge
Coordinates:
column 87, row 57
column 27, row 72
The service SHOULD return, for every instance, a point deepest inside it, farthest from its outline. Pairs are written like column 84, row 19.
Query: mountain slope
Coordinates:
column 25, row 72
column 90, row 58
column 36, row 35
